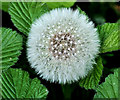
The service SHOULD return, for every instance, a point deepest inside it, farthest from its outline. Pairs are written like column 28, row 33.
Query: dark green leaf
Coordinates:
column 108, row 89
column 10, row 44
column 23, row 14
column 17, row 84
column 93, row 78
column 4, row 6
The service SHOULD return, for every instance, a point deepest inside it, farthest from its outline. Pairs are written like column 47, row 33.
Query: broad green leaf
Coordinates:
column 4, row 6
column 10, row 44
column 17, row 84
column 109, row 36
column 91, row 81
column 23, row 14
column 108, row 89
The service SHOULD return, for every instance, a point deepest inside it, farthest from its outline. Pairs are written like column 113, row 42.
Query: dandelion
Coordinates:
column 62, row 45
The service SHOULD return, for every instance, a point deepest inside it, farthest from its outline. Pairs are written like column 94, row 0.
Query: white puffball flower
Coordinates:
column 62, row 45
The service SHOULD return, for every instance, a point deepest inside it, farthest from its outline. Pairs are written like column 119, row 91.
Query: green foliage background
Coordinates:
column 20, row 81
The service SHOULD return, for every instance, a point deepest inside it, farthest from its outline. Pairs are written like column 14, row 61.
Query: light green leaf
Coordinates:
column 109, row 36
column 108, row 89
column 60, row 4
column 23, row 14
column 93, row 78
column 10, row 46
column 17, row 84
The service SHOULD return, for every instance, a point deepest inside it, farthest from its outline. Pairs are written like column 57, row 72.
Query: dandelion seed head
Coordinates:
column 62, row 45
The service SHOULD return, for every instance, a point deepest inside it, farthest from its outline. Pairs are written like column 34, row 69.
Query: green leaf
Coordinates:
column 82, row 12
column 67, row 90
column 60, row 4
column 23, row 14
column 17, row 84
column 108, row 89
column 91, row 81
column 10, row 45
column 4, row 6
column 109, row 36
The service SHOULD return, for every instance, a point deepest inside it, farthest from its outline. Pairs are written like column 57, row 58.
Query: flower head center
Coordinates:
column 62, row 46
